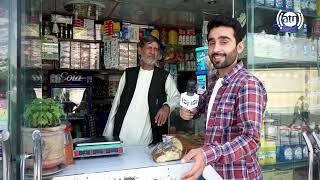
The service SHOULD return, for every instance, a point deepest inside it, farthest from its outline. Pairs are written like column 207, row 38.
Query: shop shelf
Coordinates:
column 276, row 10
column 266, row 62
column 285, row 165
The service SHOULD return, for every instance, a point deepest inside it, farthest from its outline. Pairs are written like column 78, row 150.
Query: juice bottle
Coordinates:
column 68, row 148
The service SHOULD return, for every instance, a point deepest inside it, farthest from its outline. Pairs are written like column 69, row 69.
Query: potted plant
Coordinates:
column 44, row 114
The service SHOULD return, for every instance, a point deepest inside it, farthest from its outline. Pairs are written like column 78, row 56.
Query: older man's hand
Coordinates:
column 162, row 115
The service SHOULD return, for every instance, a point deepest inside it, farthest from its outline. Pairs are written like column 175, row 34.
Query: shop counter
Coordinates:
column 134, row 163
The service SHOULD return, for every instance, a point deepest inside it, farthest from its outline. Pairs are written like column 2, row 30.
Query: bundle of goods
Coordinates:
column 169, row 150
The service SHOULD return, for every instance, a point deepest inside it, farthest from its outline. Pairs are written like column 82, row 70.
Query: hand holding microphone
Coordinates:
column 189, row 101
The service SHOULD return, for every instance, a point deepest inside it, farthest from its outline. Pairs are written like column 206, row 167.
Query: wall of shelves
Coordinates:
column 289, row 66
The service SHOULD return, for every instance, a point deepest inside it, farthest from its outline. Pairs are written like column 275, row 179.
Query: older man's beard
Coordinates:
column 149, row 61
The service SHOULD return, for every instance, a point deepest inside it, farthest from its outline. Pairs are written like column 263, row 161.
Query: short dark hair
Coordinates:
column 220, row 20
column 148, row 39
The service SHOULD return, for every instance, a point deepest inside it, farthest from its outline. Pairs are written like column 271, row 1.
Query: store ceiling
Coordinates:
column 156, row 12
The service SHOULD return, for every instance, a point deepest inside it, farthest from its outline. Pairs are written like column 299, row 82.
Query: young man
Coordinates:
column 233, row 104
column 144, row 99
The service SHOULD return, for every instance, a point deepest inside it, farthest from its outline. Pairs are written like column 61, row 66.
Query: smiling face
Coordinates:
column 223, row 50
column 150, row 53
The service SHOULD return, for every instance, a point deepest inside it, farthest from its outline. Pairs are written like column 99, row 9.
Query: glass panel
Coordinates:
column 20, row 71
column 288, row 65
column 4, row 56
column 29, row 73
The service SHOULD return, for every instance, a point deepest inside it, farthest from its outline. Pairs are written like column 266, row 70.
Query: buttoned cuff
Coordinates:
column 209, row 154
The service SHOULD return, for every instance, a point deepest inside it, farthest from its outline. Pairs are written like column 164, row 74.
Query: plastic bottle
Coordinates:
column 296, row 5
column 269, row 3
column 289, row 5
column 318, row 7
column 279, row 4
column 68, row 148
column 312, row 7
column 304, row 6
column 259, row 2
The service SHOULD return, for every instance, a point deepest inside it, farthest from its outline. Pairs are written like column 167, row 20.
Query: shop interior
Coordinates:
column 77, row 52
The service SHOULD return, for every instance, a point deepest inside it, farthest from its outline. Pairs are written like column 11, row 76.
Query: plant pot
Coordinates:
column 52, row 141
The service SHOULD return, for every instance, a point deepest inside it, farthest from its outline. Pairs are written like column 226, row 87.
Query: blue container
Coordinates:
column 202, row 57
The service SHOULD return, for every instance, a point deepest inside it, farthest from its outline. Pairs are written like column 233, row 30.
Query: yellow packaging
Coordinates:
column 270, row 152
column 173, row 37
column 267, row 152
column 318, row 8
column 116, row 27
column 155, row 33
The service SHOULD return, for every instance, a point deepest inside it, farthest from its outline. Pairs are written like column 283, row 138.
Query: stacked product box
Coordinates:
column 115, row 50
column 75, row 55
column 79, row 55
column 94, row 55
column 32, row 52
column 127, row 55
column 133, row 56
column 291, row 147
column 202, row 57
column 123, row 55
column 85, row 56
column 89, row 26
column 113, row 83
column 267, row 151
column 65, row 54
column 111, row 54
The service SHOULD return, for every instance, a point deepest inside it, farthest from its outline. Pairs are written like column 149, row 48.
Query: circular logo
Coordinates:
column 289, row 19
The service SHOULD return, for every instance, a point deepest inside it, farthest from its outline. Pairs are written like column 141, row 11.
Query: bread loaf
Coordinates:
column 168, row 151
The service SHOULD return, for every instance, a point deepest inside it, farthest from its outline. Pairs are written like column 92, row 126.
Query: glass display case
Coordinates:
column 288, row 64
column 74, row 91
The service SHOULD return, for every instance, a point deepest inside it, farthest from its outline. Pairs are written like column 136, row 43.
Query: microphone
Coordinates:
column 189, row 99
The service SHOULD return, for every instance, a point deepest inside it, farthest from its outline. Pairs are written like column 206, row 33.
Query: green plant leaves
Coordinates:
column 42, row 113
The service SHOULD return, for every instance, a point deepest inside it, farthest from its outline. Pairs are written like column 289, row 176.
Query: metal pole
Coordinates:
column 311, row 154
column 37, row 152
column 232, row 8
column 4, row 136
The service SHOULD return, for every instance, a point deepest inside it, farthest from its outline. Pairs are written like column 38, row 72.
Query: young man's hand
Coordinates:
column 200, row 163
column 187, row 114
column 162, row 115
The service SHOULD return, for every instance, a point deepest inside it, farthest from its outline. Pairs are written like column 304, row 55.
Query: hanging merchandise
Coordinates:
column 279, row 4
column 259, row 2
column 202, row 57
column 289, row 5
column 297, row 5
column 116, row 27
column 85, row 8
column 173, row 37
column 304, row 6
column 269, row 3
column 312, row 7
column 108, row 27
column 318, row 7
column 163, row 37
column 155, row 33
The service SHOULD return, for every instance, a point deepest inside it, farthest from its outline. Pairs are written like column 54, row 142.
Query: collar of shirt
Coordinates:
column 227, row 76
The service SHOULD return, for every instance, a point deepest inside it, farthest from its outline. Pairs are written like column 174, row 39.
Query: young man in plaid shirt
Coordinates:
column 233, row 104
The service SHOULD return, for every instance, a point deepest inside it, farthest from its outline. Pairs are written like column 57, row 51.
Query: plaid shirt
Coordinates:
column 233, row 131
